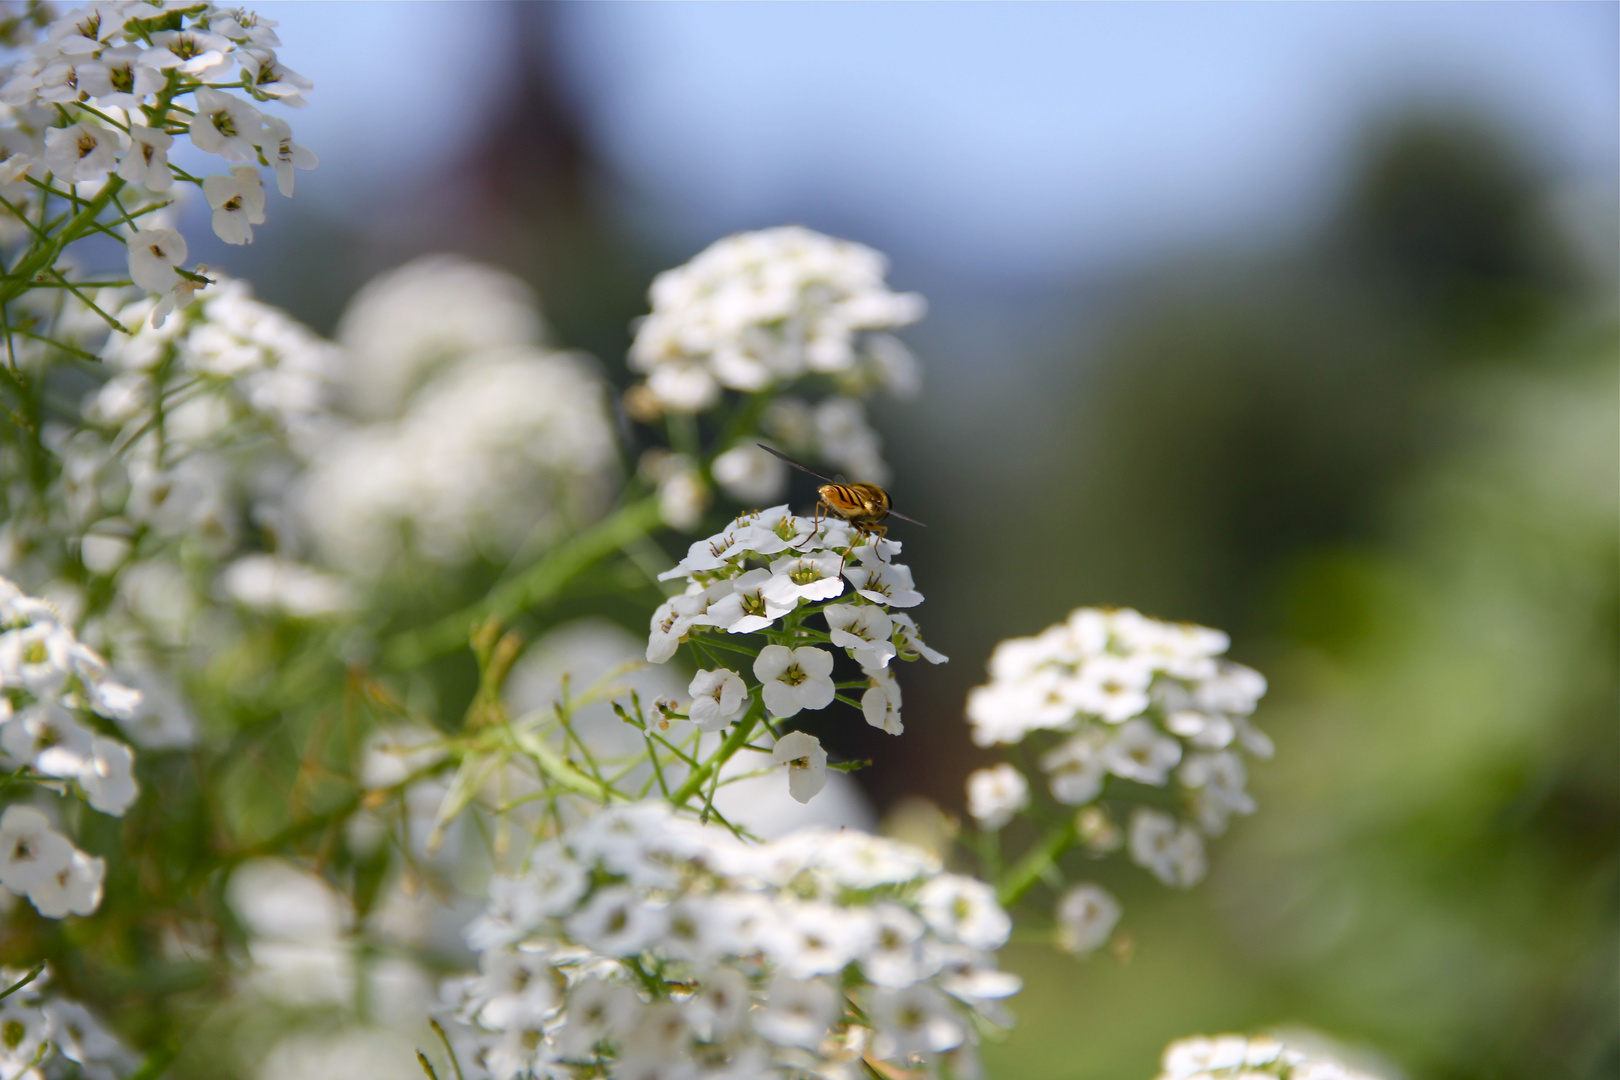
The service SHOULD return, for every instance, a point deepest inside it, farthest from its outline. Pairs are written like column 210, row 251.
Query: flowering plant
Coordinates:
column 210, row 512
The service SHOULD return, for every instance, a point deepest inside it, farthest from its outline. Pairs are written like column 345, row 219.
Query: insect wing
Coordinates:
column 795, row 464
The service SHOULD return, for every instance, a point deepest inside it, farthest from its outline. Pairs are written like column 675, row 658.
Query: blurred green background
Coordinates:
column 1369, row 428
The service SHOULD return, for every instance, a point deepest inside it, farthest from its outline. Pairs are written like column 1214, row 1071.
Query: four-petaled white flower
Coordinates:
column 863, row 629
column 146, row 161
column 996, row 794
column 31, row 851
column 749, row 607
column 806, row 762
column 1173, row 852
column 153, row 255
column 884, row 583
column 1075, row 769
column 966, row 909
column 881, row 702
column 238, row 203
column 794, row 679
column 1086, row 916
column 811, row 578
column 1138, row 752
column 285, row 154
column 82, row 151
column 718, row 697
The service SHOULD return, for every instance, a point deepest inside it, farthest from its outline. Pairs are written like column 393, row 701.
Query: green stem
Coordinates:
column 1022, row 877
column 533, row 587
column 734, row 742
column 46, row 255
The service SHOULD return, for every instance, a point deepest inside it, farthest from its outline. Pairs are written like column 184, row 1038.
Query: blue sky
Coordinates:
column 1002, row 138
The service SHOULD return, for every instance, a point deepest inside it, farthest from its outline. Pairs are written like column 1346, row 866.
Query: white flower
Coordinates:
column 718, row 698
column 270, row 584
column 153, row 255
column 717, row 1008
column 82, row 151
column 682, row 496
column 1075, row 770
column 821, row 939
column 238, row 203
column 749, row 607
column 794, row 679
column 965, row 910
column 895, row 957
column 909, row 643
column 881, row 702
column 30, row 850
column 615, row 922
column 47, row 737
column 805, row 577
column 596, row 1010
column 1234, row 689
column 1086, row 916
column 284, row 154
column 806, row 762
column 1239, row 1057
column 269, row 76
column 863, row 629
column 847, row 441
column 759, row 309
column 749, row 474
column 797, row 1012
column 678, row 615
column 146, row 160
column 916, row 1020
column 26, row 1028
column 517, row 989
column 74, row 889
column 1113, row 688
column 884, row 583
column 1173, row 852
column 1216, row 782
column 996, row 794
column 193, row 52
column 118, row 79
column 107, row 776
column 1138, row 752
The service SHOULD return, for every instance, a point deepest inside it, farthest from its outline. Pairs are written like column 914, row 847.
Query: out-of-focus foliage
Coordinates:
column 1392, row 455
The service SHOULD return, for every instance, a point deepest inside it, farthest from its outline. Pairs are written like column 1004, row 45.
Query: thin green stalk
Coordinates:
column 18, row 279
column 529, row 589
column 734, row 742
column 1022, row 877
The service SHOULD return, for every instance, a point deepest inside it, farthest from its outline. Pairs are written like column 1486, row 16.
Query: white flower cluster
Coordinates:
column 1239, row 1057
column 199, row 428
column 1133, row 699
column 641, row 945
column 47, row 1037
column 108, row 86
column 473, row 438
column 758, row 310
column 769, row 567
column 48, row 682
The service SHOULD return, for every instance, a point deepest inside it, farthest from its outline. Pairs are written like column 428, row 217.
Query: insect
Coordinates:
column 862, row 505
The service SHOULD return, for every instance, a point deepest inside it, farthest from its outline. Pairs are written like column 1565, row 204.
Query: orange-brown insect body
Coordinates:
column 862, row 505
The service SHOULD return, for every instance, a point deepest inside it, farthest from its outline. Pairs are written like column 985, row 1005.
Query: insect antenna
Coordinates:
column 902, row 517
column 795, row 464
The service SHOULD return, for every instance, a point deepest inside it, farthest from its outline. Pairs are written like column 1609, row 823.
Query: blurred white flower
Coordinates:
column 750, row 475
column 758, row 310
column 1174, row 853
column 1086, row 916
column 1250, row 1057
column 996, row 794
column 267, row 583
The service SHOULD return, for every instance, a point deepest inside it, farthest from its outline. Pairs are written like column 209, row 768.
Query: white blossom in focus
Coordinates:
column 806, row 763
column 794, row 679
column 770, row 943
column 718, row 698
